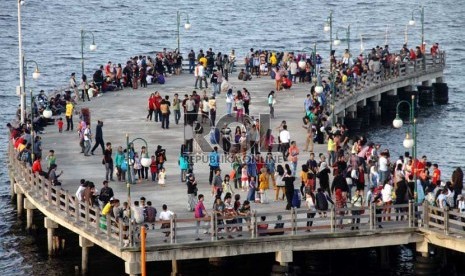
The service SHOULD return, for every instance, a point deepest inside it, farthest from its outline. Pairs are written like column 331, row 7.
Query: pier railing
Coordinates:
column 394, row 71
column 181, row 228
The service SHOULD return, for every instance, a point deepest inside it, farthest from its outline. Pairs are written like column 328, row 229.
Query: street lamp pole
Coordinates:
column 92, row 47
column 187, row 26
column 32, row 127
column 409, row 142
column 145, row 161
column 21, row 67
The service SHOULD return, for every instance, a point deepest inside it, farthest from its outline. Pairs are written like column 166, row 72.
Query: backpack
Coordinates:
column 321, row 202
column 161, row 79
column 198, row 213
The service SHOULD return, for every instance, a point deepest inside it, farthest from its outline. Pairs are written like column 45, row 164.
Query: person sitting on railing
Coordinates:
column 37, row 167
column 230, row 214
column 53, row 176
column 218, row 209
column 357, row 202
column 166, row 216
column 262, row 227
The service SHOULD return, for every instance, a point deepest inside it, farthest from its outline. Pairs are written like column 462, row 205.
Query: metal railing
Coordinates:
column 181, row 229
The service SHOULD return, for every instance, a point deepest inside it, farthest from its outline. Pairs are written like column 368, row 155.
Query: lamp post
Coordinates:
column 409, row 142
column 422, row 18
column 187, row 26
column 145, row 161
column 329, row 28
column 337, row 41
column 92, row 47
column 21, row 67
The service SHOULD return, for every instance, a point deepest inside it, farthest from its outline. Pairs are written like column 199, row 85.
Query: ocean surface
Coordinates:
column 51, row 37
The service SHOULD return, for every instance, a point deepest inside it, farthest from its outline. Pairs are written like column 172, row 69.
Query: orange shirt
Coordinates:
column 436, row 177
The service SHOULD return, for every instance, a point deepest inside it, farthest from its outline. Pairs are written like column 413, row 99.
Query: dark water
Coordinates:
column 124, row 28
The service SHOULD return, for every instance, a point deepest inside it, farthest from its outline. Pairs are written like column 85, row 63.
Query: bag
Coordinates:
column 235, row 108
column 354, row 174
column 124, row 166
column 103, row 161
column 263, row 198
column 161, row 79
column 349, row 180
column 296, row 201
column 232, row 174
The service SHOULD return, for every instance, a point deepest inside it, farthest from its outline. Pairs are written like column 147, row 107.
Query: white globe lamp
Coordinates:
column 146, row 162
column 408, row 142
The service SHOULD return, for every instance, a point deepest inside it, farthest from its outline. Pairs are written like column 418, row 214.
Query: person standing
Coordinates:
column 214, row 82
column 84, row 87
column 293, row 153
column 226, row 138
column 191, row 58
column 73, row 85
column 177, row 108
column 151, row 107
column 98, row 138
column 212, row 108
column 108, row 162
column 191, row 192
column 200, row 75
column 165, row 113
column 271, row 103
column 166, row 216
column 289, row 179
column 87, row 135
column 284, row 138
column 69, row 115
column 214, row 163
column 119, row 159
column 200, row 213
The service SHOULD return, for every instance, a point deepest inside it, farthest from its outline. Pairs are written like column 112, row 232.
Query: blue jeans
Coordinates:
column 177, row 116
column 165, row 120
column 382, row 176
column 191, row 66
column 228, row 108
column 294, row 168
column 216, row 89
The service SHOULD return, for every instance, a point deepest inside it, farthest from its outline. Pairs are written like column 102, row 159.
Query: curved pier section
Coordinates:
column 377, row 94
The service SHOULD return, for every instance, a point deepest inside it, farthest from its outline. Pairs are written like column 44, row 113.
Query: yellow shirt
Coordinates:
column 263, row 181
column 344, row 78
column 273, row 60
column 69, row 109
column 331, row 145
column 21, row 147
column 303, row 176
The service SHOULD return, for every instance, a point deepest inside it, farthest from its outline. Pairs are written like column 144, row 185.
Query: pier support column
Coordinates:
column 392, row 92
column 85, row 244
column 51, row 226
column 351, row 111
column 375, row 105
column 283, row 257
column 174, row 267
column 426, row 83
column 29, row 212
column 439, row 79
column 12, row 181
column 422, row 248
column 19, row 200
column 132, row 263
column 384, row 257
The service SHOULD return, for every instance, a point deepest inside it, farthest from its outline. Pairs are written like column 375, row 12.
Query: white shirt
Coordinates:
column 79, row 192
column 138, row 213
column 166, row 215
column 310, row 204
column 87, row 134
column 284, row 136
column 386, row 193
column 383, row 164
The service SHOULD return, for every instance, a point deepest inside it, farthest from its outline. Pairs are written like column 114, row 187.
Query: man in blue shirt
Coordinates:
column 214, row 163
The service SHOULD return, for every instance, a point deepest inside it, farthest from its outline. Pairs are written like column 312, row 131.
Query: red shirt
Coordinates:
column 36, row 166
column 436, row 177
column 152, row 103
column 60, row 124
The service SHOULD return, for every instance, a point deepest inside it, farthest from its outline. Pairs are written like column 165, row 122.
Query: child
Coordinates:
column 51, row 159
column 137, row 167
column 263, row 185
column 161, row 177
column 244, row 177
column 226, row 185
column 252, row 189
column 153, row 168
column 60, row 125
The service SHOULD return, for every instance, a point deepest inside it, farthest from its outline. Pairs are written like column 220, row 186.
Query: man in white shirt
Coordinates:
column 87, row 140
column 138, row 213
column 200, row 75
column 81, row 189
column 166, row 215
column 284, row 138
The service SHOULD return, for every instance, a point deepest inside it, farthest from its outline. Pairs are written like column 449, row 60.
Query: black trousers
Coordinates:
column 289, row 196
column 69, row 122
column 98, row 141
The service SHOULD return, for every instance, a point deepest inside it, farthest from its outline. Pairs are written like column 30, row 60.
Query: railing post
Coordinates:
column 86, row 216
column 446, row 220
column 371, row 216
column 77, row 212
column 120, row 234
column 425, row 214
column 293, row 221
column 49, row 191
column 332, row 216
column 97, row 220
column 212, row 226
column 410, row 214
column 173, row 229
column 57, row 198
column 254, row 226
column 108, row 221
column 67, row 204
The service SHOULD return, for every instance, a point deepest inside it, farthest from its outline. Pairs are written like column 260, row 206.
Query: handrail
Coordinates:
column 181, row 227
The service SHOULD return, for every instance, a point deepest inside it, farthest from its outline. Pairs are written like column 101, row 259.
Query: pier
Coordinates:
column 124, row 112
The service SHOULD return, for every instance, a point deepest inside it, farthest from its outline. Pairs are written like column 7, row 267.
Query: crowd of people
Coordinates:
column 362, row 173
